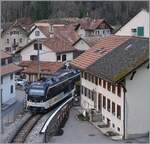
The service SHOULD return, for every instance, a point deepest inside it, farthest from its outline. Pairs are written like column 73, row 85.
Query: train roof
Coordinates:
column 58, row 77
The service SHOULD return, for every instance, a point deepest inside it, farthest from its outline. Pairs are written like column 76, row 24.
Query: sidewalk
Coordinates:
column 116, row 138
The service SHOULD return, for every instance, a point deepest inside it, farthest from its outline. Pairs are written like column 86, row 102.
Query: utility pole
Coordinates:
column 38, row 56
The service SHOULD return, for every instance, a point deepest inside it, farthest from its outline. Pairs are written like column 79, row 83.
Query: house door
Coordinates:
column 100, row 102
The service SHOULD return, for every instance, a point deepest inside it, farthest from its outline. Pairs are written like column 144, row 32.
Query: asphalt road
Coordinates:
column 10, row 113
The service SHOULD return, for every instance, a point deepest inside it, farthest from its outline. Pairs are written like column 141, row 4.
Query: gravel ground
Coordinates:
column 34, row 136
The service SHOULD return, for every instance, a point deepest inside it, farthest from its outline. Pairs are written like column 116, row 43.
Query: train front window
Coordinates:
column 36, row 92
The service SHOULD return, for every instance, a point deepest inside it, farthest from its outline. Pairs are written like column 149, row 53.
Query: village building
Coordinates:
column 47, row 69
column 115, row 82
column 136, row 26
column 16, row 34
column 88, row 27
column 8, row 70
column 51, row 48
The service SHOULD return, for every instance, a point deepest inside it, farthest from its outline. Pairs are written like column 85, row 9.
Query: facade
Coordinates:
column 109, row 85
column 8, row 70
column 50, row 50
column 14, row 37
column 137, row 26
column 88, row 27
column 16, row 34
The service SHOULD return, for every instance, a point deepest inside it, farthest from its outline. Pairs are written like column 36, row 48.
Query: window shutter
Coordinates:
column 140, row 31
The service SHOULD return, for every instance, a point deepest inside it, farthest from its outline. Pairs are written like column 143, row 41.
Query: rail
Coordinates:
column 56, row 121
column 25, row 129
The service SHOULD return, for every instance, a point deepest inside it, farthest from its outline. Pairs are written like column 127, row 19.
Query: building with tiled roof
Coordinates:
column 136, row 26
column 115, row 83
column 16, row 34
column 93, row 27
column 8, row 70
column 30, row 69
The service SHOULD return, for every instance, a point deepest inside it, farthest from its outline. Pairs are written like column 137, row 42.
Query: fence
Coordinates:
column 57, row 120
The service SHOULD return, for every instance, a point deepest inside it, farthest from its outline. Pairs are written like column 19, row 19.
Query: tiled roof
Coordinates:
column 31, row 67
column 4, row 55
column 88, row 23
column 122, row 60
column 104, row 46
column 67, row 33
column 58, row 44
column 9, row 68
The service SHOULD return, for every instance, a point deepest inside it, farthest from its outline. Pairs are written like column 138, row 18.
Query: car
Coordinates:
column 20, row 82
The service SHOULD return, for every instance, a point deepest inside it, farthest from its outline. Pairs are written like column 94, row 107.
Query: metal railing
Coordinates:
column 56, row 121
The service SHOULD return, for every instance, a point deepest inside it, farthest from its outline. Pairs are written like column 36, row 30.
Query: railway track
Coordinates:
column 21, row 135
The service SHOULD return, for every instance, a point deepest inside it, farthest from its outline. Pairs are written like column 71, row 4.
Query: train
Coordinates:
column 43, row 95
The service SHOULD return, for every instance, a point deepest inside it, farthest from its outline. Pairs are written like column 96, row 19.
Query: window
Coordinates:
column 1, row 80
column 20, row 40
column 85, row 75
column 140, row 31
column 104, row 84
column 85, row 91
column 114, row 89
column 33, row 57
column 134, row 31
column 118, row 111
column 3, row 62
column 109, row 86
column 113, row 108
column 92, row 95
column 11, row 76
column 92, row 78
column 118, row 129
column 119, row 90
column 100, row 81
column 37, row 33
column 58, row 57
column 36, row 46
column 96, row 80
column 63, row 57
column 82, row 74
column 108, row 105
column 11, row 89
column 104, row 102
column 7, row 40
column 9, row 60
column 113, row 125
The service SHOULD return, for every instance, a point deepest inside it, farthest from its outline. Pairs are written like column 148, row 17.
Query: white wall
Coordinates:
column 138, row 102
column 141, row 19
column 33, row 36
column 7, row 82
column 81, row 45
column 45, row 54
column 87, row 103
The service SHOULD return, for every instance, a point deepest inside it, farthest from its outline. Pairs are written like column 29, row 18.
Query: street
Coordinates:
column 9, row 115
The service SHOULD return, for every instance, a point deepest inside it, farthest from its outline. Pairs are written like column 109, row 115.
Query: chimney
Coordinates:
column 51, row 31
